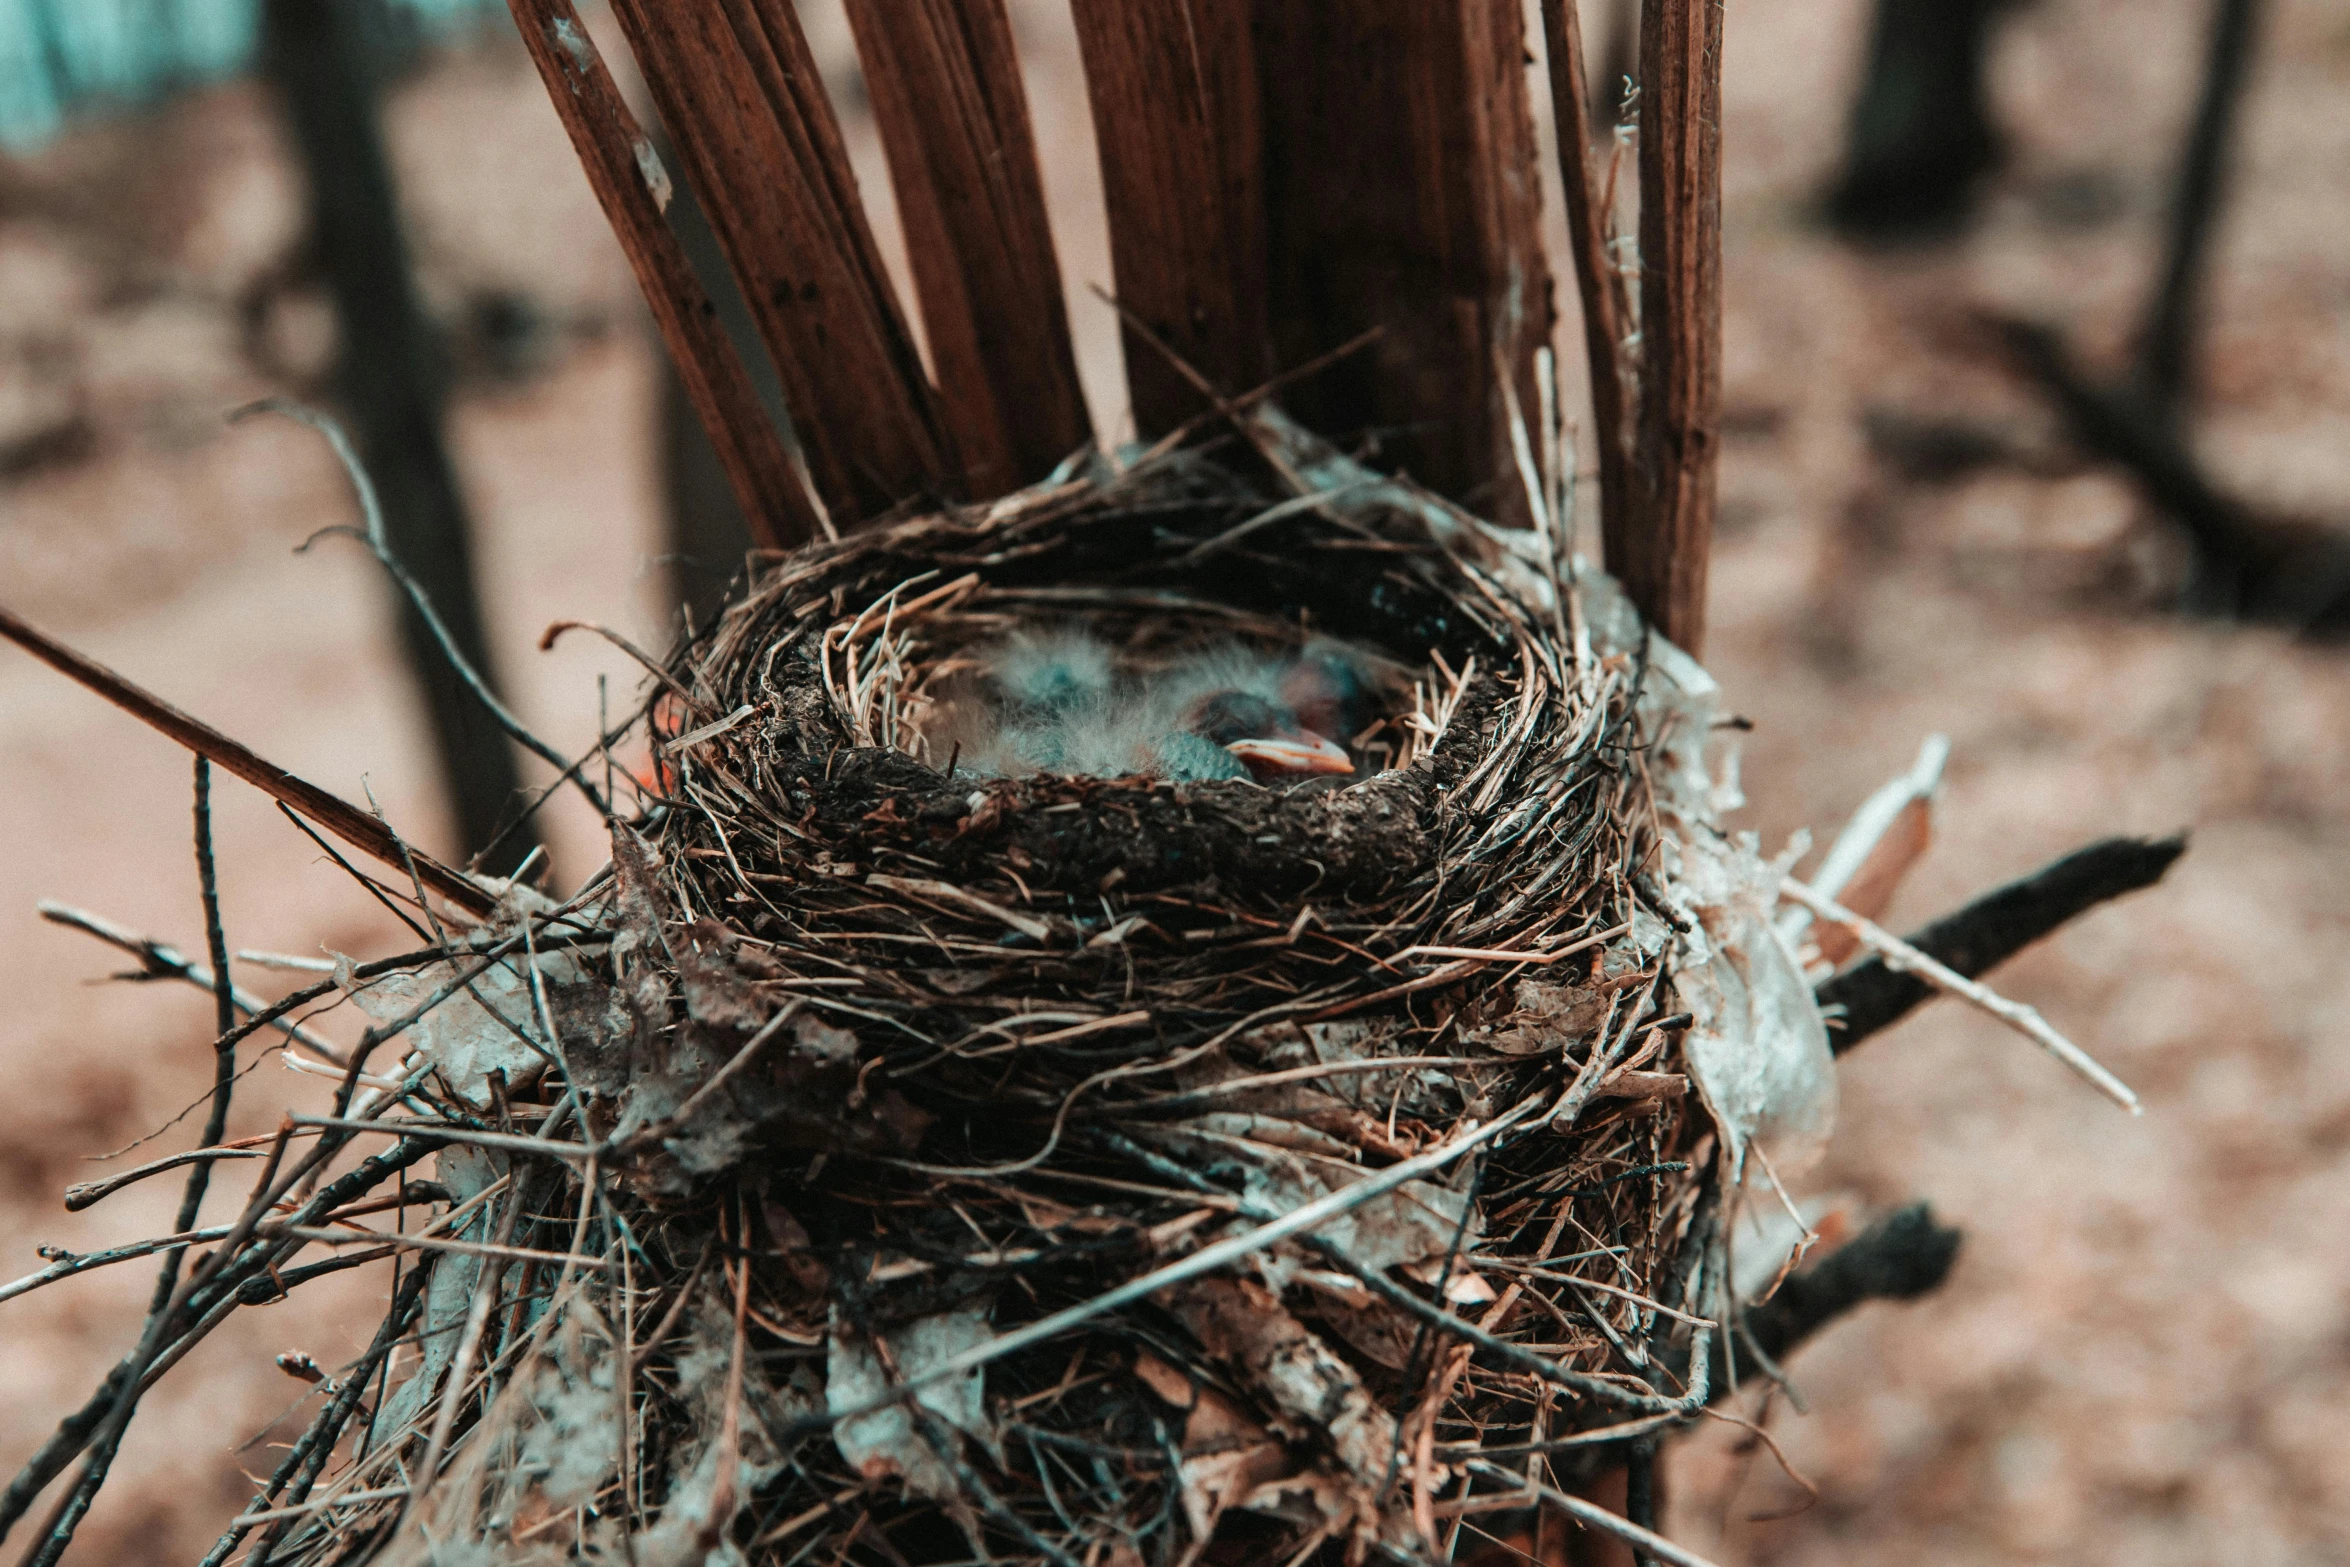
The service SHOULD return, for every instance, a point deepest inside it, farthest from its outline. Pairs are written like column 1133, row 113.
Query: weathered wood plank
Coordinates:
column 945, row 83
column 629, row 181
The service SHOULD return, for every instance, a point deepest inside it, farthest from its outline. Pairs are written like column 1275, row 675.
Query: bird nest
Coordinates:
column 889, row 1162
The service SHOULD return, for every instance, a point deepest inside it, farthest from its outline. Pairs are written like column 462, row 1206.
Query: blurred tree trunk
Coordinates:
column 2246, row 564
column 707, row 535
column 320, row 57
column 2166, row 345
column 1920, row 134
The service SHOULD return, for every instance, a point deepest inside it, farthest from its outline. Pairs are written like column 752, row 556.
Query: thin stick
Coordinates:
column 1596, row 277
column 432, row 1243
column 1597, row 1517
column 67, row 1266
column 342, row 1499
column 457, row 1134
column 161, row 960
column 346, row 821
column 1900, row 955
column 308, row 1455
column 957, row 897
column 210, row 1290
column 170, row 1292
column 460, row 1373
column 84, row 1194
column 378, row 540
column 1530, row 959
column 1864, row 866
column 224, row 1024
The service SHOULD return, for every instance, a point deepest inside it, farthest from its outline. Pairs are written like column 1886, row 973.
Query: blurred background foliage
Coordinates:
column 64, row 59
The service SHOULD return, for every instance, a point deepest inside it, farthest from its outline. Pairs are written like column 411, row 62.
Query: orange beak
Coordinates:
column 1299, row 754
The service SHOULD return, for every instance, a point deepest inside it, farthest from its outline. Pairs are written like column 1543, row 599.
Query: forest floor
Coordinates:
column 2143, row 1354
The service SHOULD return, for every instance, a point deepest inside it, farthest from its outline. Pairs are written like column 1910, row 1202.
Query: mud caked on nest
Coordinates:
column 1098, row 1169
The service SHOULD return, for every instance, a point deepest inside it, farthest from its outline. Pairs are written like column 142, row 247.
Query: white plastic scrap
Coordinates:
column 487, row 1027
column 1867, row 831
column 1757, row 1048
column 886, row 1441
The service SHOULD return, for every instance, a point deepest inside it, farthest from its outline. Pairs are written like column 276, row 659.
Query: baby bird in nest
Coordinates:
column 1058, row 702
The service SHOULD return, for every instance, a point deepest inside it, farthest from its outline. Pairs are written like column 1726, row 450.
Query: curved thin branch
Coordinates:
column 379, row 545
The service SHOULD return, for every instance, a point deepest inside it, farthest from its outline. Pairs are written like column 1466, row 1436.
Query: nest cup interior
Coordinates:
column 854, row 656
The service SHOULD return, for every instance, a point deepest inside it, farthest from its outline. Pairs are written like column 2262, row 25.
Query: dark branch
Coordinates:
column 319, row 57
column 2287, row 573
column 1900, row 1257
column 99, row 1422
column 2118, row 424
column 309, row 1455
column 1919, row 137
column 1995, row 927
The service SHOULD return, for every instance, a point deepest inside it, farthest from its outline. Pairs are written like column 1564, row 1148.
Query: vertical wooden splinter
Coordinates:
column 1174, row 91
column 633, row 189
column 945, row 85
column 1403, row 193
column 1661, row 553
column 739, row 93
column 1599, row 283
